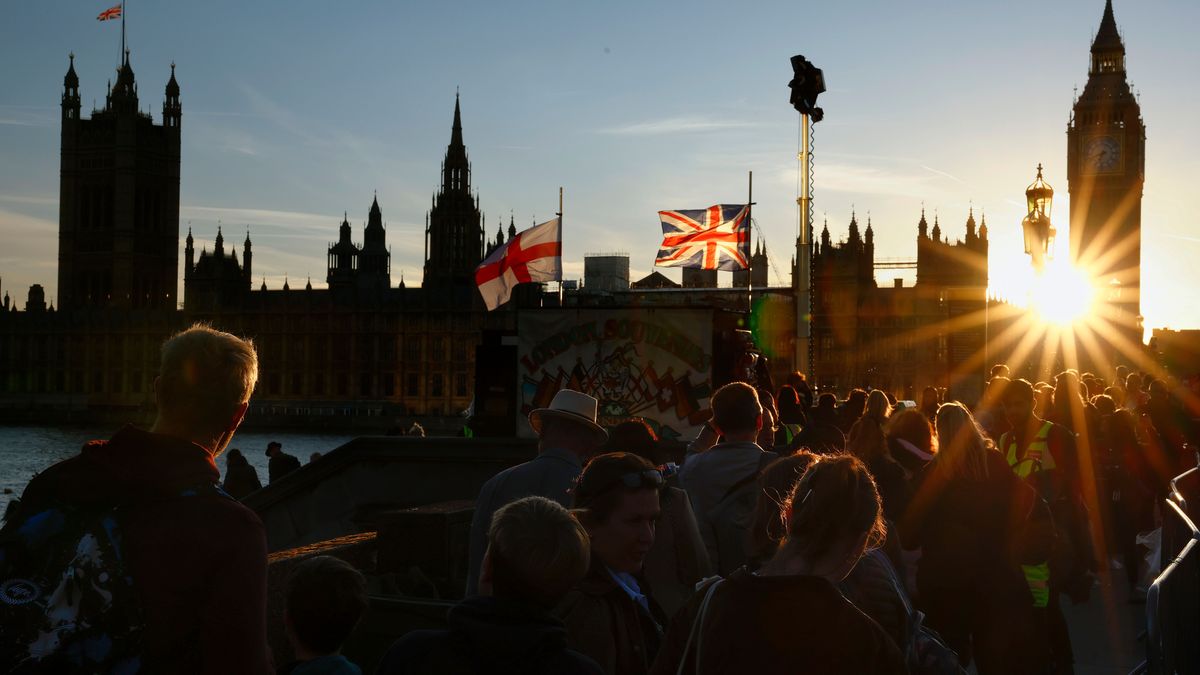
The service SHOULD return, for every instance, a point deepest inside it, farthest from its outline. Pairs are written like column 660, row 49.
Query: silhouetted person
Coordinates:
column 851, row 410
column 821, row 434
column 789, row 617
column 281, row 463
column 868, row 443
column 536, row 552
column 568, row 437
column 325, row 599
column 713, row 476
column 240, row 478
column 910, row 440
column 929, row 403
column 197, row 559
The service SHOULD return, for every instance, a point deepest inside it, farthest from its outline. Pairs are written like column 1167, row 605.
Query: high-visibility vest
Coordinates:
column 1037, row 577
column 789, row 432
column 1037, row 455
column 1037, row 458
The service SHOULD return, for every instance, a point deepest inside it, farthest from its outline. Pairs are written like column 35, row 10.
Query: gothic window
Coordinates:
column 460, row 384
column 343, row 384
column 412, row 348
column 435, row 385
column 297, row 384
column 364, row 384
column 318, row 386
column 388, row 380
column 437, row 349
column 412, row 386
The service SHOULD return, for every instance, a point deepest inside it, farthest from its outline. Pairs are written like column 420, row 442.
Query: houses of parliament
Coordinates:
column 362, row 344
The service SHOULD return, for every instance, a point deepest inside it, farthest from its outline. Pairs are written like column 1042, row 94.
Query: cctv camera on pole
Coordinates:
column 807, row 83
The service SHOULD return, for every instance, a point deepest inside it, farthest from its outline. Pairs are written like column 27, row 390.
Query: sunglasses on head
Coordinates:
column 648, row 478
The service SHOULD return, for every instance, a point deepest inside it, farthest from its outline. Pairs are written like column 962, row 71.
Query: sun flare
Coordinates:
column 1062, row 295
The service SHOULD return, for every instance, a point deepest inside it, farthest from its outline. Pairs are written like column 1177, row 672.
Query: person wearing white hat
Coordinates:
column 568, row 436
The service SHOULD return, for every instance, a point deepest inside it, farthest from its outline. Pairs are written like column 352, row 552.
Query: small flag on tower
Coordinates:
column 716, row 238
column 113, row 12
column 532, row 255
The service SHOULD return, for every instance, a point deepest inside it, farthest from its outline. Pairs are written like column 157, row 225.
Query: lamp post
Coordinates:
column 1039, row 233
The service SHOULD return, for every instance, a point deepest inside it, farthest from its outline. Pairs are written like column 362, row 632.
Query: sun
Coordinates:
column 1062, row 295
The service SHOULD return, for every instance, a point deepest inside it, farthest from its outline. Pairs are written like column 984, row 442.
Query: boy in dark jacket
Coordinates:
column 326, row 597
column 536, row 552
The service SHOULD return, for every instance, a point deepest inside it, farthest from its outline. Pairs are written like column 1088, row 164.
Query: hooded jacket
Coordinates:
column 199, row 563
column 489, row 635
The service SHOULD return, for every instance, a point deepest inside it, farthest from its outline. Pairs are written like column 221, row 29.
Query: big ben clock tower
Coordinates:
column 1106, row 160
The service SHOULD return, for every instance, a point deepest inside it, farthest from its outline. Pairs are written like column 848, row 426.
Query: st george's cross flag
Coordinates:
column 716, row 238
column 113, row 12
column 533, row 255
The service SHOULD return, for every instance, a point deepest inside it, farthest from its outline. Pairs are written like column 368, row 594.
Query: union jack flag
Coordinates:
column 113, row 12
column 716, row 238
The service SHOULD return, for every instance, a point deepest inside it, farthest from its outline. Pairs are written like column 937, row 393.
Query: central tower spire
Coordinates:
column 454, row 231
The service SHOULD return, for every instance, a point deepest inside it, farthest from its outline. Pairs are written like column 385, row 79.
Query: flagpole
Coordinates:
column 560, row 276
column 749, row 239
column 122, row 32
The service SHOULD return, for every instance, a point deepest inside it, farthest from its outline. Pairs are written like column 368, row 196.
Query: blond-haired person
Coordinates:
column 197, row 558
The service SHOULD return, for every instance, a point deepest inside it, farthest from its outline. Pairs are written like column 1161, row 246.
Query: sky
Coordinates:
column 295, row 112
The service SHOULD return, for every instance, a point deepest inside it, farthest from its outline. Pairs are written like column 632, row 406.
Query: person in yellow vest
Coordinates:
column 1042, row 454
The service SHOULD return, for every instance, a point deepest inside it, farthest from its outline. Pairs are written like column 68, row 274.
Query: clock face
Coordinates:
column 1102, row 154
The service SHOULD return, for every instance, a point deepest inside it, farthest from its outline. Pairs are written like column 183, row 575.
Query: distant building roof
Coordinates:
column 654, row 280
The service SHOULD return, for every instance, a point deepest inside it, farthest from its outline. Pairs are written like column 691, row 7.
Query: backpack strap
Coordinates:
column 697, row 629
column 763, row 461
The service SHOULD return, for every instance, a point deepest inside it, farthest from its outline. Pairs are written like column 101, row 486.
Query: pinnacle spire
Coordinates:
column 456, row 138
column 1107, row 36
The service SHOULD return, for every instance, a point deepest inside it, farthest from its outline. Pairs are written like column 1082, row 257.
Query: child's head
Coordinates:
column 536, row 552
column 325, row 599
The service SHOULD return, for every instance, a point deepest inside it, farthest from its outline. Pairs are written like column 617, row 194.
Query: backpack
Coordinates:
column 730, row 519
column 925, row 653
column 67, row 597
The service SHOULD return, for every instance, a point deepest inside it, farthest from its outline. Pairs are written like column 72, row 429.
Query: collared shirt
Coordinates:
column 552, row 474
column 628, row 583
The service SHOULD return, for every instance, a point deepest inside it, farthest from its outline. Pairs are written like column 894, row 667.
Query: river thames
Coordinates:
column 24, row 451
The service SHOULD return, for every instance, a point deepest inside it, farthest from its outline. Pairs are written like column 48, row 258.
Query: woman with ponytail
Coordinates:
column 788, row 617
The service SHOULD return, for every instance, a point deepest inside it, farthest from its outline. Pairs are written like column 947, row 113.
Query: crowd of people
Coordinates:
column 796, row 534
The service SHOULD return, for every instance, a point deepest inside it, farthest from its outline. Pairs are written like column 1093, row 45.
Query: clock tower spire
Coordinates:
column 1106, row 143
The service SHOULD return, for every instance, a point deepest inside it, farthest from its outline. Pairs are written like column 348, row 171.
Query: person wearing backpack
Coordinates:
column 789, row 617
column 720, row 481
column 129, row 557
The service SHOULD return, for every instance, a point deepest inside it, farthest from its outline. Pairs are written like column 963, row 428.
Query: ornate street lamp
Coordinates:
column 1039, row 233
